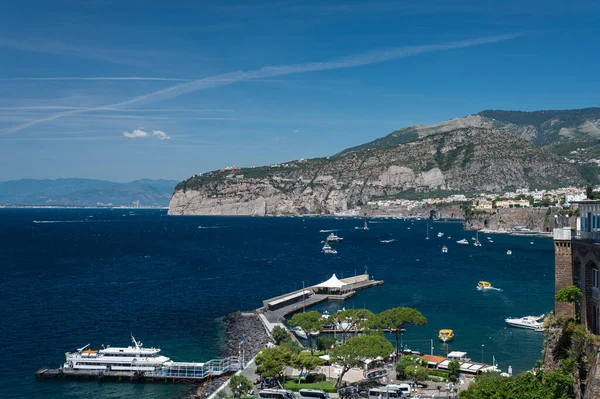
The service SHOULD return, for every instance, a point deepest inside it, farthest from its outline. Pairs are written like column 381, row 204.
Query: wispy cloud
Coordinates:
column 282, row 70
column 112, row 55
column 99, row 109
column 296, row 131
column 98, row 78
column 139, row 133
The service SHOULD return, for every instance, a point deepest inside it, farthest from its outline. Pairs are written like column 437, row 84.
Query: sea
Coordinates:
column 76, row 276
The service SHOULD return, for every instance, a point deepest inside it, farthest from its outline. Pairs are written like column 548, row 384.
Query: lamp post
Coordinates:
column 482, row 345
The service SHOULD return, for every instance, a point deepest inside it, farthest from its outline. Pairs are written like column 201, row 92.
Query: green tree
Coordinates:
column 271, row 361
column 309, row 322
column 589, row 192
column 401, row 366
column 453, row 370
column 356, row 349
column 571, row 294
column 305, row 361
column 280, row 335
column 397, row 318
column 416, row 372
column 292, row 345
column 527, row 385
column 239, row 385
column 324, row 342
column 352, row 319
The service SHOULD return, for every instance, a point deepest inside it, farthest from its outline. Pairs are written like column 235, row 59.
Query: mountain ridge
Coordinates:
column 86, row 192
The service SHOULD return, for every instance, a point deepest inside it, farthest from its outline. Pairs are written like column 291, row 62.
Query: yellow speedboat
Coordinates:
column 484, row 285
column 446, row 335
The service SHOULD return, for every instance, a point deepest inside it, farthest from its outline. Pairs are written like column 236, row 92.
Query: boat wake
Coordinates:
column 387, row 241
column 212, row 227
column 328, row 231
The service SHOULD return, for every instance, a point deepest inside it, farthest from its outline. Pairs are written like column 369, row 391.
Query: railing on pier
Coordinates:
column 215, row 367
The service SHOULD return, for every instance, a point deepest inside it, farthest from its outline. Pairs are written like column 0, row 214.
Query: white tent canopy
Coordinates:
column 333, row 282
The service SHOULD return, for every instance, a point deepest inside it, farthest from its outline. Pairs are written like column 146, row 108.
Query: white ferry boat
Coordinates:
column 132, row 359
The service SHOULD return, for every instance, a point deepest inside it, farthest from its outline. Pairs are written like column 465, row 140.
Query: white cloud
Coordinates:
column 296, row 131
column 139, row 133
column 159, row 134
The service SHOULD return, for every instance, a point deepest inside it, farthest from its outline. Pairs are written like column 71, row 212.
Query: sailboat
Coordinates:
column 477, row 243
column 366, row 226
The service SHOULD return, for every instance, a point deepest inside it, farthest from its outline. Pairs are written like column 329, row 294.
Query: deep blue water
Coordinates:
column 94, row 276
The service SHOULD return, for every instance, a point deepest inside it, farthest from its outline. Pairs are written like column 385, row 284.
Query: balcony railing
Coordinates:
column 586, row 236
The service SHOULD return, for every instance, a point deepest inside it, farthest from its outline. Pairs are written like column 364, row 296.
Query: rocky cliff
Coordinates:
column 464, row 160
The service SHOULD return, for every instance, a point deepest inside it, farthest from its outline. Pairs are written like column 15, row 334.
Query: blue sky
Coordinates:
column 122, row 90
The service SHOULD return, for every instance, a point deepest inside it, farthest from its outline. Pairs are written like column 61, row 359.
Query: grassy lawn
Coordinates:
column 326, row 386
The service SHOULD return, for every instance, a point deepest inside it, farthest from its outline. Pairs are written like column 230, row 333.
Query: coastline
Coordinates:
column 238, row 325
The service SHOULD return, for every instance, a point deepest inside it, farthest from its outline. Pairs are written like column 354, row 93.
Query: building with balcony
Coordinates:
column 577, row 262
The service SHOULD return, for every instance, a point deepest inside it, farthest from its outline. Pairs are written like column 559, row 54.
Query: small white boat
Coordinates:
column 463, row 241
column 529, row 322
column 299, row 332
column 444, row 249
column 477, row 244
column 531, row 242
column 328, row 250
column 473, row 238
column 509, row 252
column 314, row 333
column 333, row 238
column 491, row 241
column 440, row 234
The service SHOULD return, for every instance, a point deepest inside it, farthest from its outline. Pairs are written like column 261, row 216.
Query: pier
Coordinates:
column 275, row 309
column 174, row 372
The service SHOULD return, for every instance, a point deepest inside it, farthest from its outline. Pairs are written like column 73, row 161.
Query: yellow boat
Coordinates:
column 446, row 335
column 484, row 285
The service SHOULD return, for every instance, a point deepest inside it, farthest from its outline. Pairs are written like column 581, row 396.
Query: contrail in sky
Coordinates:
column 229, row 78
column 98, row 78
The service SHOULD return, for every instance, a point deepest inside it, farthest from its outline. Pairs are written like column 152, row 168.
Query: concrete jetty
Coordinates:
column 275, row 309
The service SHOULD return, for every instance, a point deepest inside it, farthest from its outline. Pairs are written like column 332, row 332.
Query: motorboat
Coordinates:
column 328, row 250
column 333, row 238
column 299, row 332
column 444, row 249
column 529, row 322
column 440, row 234
column 446, row 335
column 484, row 285
column 463, row 241
column 509, row 252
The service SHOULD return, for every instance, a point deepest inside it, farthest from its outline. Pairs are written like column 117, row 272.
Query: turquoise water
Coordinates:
column 94, row 276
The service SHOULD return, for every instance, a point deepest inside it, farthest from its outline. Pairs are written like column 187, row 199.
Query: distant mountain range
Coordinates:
column 492, row 151
column 86, row 192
